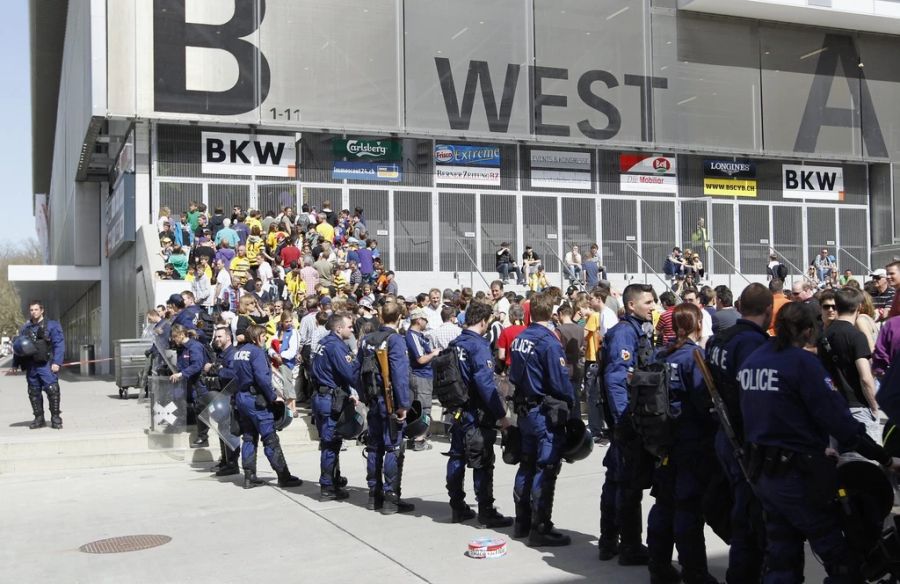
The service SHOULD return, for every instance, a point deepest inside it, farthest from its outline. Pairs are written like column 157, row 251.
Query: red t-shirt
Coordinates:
column 506, row 338
column 289, row 254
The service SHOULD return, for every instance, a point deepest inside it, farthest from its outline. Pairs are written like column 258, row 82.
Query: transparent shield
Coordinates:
column 219, row 416
column 168, row 407
column 164, row 358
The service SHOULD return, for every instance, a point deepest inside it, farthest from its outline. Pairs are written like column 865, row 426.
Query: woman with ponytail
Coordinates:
column 680, row 479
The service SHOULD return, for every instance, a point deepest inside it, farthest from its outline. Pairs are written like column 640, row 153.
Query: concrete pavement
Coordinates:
column 221, row 533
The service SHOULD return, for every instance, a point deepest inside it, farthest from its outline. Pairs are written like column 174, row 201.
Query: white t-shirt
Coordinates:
column 706, row 330
column 502, row 307
column 608, row 319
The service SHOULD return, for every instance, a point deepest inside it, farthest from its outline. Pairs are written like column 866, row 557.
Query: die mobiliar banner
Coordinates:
column 648, row 173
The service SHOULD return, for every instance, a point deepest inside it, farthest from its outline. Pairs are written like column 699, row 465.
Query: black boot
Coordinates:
column 54, row 398
column 228, row 469
column 522, row 526
column 376, row 501
column 461, row 512
column 698, row 577
column 490, row 517
column 544, row 535
column 332, row 493
column 393, row 504
column 633, row 555
column 608, row 548
column 663, row 573
column 286, row 479
column 250, row 479
column 37, row 407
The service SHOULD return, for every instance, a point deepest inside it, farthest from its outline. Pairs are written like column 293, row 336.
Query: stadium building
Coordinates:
column 459, row 125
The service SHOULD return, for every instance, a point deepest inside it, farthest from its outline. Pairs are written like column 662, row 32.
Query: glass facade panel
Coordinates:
column 412, row 234
column 457, row 231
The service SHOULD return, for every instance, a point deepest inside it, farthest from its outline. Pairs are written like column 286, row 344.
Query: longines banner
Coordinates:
column 729, row 178
column 564, row 71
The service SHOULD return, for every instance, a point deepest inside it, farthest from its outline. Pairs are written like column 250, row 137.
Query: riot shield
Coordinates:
column 168, row 408
column 164, row 357
column 218, row 414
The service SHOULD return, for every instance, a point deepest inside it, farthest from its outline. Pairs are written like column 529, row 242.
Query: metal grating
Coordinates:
column 457, row 224
column 853, row 253
column 374, row 204
column 412, row 234
column 821, row 229
column 788, row 234
column 657, row 233
column 619, row 220
column 539, row 224
column 691, row 213
column 754, row 244
column 228, row 196
column 579, row 225
column 127, row 543
column 721, row 234
column 498, row 225
column 275, row 197
column 177, row 196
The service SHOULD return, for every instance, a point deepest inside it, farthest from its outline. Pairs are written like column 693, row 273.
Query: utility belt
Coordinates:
column 482, row 418
column 774, row 461
column 556, row 410
column 325, row 390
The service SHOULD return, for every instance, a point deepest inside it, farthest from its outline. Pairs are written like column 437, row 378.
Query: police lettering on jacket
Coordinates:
column 788, row 400
column 398, row 365
column 620, row 349
column 333, row 365
column 251, row 370
column 538, row 365
column 477, row 369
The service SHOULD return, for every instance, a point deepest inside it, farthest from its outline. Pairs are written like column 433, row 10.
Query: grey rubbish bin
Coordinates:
column 131, row 363
column 87, row 358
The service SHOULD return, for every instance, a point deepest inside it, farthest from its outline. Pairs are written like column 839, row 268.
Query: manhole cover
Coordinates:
column 127, row 543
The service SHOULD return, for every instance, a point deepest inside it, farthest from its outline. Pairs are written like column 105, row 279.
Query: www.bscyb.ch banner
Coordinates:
column 729, row 178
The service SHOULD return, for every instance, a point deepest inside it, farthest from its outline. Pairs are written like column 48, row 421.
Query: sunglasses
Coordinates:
column 829, row 307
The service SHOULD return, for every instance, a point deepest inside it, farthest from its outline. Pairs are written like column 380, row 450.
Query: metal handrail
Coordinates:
column 863, row 264
column 472, row 261
column 646, row 263
column 562, row 265
column 733, row 267
column 799, row 271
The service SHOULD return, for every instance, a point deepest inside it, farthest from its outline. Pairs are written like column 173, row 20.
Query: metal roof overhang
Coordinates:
column 859, row 15
column 58, row 287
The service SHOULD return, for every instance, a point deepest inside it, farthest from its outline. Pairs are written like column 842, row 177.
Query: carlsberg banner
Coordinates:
column 355, row 149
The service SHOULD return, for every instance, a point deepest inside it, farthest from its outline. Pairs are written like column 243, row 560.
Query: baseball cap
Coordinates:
column 418, row 313
column 366, row 303
column 325, row 301
column 176, row 300
column 879, row 273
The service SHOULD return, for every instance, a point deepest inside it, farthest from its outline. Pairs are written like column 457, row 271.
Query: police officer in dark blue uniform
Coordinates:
column 184, row 315
column 543, row 398
column 191, row 361
column 385, row 445
column 219, row 375
column 790, row 408
column 473, row 432
column 629, row 467
column 682, row 475
column 42, row 364
column 255, row 395
column 335, row 370
column 725, row 354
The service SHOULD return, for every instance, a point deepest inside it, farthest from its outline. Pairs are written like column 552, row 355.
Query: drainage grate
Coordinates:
column 127, row 543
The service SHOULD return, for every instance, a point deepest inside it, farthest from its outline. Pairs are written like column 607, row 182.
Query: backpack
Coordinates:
column 781, row 272
column 206, row 324
column 448, row 386
column 649, row 401
column 369, row 370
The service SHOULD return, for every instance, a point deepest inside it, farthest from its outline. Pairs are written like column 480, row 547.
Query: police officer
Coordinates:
column 334, row 369
column 473, row 432
column 191, row 361
column 543, row 398
column 42, row 366
column 219, row 374
column 253, row 400
column 790, row 408
column 682, row 476
column 385, row 446
column 725, row 354
column 629, row 467
column 184, row 315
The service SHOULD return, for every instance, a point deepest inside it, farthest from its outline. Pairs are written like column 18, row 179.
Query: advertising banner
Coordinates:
column 464, row 155
column 467, row 175
column 729, row 178
column 368, row 171
column 648, row 173
column 818, row 183
column 560, row 169
column 354, row 149
column 248, row 155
